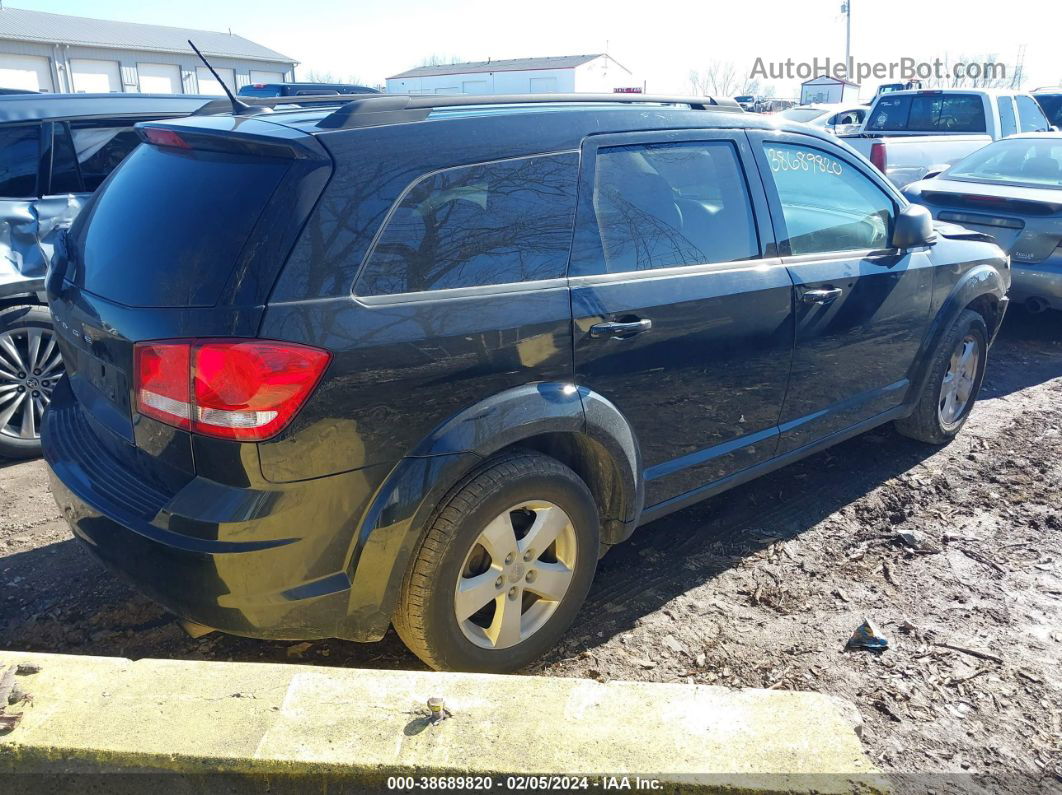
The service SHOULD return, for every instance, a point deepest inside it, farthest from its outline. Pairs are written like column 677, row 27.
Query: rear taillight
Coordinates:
column 878, row 157
column 246, row 390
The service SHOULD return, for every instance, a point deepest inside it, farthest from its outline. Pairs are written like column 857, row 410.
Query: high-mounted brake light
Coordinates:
column 163, row 137
column 878, row 157
column 247, row 390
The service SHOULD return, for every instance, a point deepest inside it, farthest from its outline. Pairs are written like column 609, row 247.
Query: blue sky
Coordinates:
column 660, row 41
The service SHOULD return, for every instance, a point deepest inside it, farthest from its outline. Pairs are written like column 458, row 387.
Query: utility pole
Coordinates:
column 846, row 9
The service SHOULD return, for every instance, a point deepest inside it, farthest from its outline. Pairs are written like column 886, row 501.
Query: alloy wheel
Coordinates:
column 516, row 575
column 959, row 380
column 30, row 367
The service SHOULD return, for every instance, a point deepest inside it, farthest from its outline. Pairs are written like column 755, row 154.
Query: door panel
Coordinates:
column 853, row 353
column 861, row 307
column 670, row 235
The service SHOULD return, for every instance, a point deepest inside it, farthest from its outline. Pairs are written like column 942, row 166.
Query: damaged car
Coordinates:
column 55, row 150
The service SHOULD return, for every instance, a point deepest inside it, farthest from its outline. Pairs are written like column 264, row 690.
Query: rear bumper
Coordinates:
column 264, row 562
column 1042, row 280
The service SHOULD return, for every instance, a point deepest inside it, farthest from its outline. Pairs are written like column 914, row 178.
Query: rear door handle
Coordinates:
column 825, row 296
column 621, row 330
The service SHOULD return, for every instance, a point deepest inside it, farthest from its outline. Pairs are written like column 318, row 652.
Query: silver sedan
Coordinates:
column 1011, row 189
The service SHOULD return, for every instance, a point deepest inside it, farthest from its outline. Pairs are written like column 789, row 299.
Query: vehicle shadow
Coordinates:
column 665, row 559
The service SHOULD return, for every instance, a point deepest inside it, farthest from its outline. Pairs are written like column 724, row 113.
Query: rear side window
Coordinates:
column 168, row 228
column 100, row 150
column 827, row 204
column 20, row 154
column 491, row 223
column 1007, row 123
column 954, row 113
column 663, row 205
column 1030, row 115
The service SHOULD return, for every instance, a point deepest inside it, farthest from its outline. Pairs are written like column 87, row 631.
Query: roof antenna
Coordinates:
column 238, row 108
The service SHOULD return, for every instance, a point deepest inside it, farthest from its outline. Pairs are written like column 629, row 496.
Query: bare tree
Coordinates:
column 435, row 59
column 719, row 78
column 978, row 71
column 318, row 76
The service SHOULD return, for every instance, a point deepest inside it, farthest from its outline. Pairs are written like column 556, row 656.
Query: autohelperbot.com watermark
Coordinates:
column 901, row 69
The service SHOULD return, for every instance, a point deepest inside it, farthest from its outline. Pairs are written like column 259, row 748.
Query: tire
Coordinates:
column 936, row 420
column 27, row 343
column 514, row 496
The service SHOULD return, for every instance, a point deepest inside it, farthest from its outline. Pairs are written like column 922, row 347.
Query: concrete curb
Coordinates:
column 108, row 714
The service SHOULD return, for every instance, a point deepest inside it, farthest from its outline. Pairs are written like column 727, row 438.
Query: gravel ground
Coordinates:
column 955, row 553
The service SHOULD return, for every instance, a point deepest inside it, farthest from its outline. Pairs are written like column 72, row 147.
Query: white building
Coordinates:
column 826, row 90
column 596, row 73
column 55, row 52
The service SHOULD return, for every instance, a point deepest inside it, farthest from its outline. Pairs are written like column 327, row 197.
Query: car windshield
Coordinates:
column 1036, row 162
column 802, row 114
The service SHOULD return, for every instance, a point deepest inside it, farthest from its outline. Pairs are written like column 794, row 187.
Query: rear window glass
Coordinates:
column 1036, row 162
column 1052, row 107
column 169, row 226
column 942, row 113
column 492, row 223
column 19, row 158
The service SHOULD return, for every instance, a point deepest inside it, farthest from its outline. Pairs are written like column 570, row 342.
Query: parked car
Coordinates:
column 302, row 89
column 425, row 372
column 1011, row 189
column 909, row 132
column 1050, row 101
column 55, row 150
column 748, row 102
column 837, row 118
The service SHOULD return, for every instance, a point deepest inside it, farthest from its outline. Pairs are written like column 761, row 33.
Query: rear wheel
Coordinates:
column 953, row 384
column 30, row 367
column 503, row 568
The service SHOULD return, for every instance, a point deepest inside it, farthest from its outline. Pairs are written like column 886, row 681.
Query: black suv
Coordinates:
column 422, row 360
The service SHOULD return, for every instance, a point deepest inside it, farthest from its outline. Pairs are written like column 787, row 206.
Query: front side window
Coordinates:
column 828, row 205
column 20, row 154
column 1030, row 115
column 663, row 205
column 1007, row 123
column 492, row 223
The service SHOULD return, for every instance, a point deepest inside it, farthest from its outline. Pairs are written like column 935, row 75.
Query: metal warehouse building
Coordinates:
column 55, row 52
column 596, row 73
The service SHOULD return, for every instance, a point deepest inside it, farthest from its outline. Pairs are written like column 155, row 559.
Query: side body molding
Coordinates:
column 391, row 528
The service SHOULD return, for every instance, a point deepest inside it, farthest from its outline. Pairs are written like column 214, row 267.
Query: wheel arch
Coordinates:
column 573, row 425
column 981, row 289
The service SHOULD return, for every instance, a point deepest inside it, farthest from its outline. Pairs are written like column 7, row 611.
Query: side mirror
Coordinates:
column 914, row 227
column 936, row 171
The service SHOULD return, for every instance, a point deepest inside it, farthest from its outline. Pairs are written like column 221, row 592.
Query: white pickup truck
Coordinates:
column 907, row 133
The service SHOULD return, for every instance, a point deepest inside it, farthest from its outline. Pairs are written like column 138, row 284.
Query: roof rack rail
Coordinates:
column 221, row 105
column 372, row 109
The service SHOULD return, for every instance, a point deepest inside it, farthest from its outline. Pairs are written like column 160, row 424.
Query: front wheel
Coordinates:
column 954, row 381
column 30, row 367
column 504, row 567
